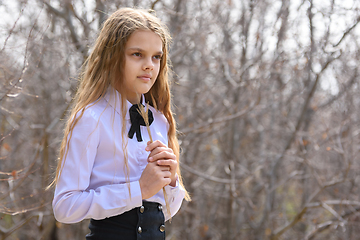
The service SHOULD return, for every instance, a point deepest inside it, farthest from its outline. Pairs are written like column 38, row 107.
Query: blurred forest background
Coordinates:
column 267, row 104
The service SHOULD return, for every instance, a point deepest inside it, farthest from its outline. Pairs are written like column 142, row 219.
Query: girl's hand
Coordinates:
column 153, row 179
column 163, row 156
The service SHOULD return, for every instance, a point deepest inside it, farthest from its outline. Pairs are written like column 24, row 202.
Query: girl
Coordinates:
column 108, row 170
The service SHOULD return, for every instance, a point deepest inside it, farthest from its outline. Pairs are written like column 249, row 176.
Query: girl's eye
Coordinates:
column 157, row 57
column 137, row 54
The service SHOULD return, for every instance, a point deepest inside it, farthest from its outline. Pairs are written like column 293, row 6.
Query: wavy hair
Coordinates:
column 103, row 68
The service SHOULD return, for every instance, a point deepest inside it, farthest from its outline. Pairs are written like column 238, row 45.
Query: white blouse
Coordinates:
column 93, row 183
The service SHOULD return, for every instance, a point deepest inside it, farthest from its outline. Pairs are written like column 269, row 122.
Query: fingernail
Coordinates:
column 146, row 149
column 150, row 158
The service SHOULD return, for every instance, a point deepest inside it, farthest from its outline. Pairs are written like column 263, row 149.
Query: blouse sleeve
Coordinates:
column 175, row 197
column 73, row 199
column 175, row 194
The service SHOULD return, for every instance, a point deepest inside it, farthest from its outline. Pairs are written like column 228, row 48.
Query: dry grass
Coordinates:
column 145, row 115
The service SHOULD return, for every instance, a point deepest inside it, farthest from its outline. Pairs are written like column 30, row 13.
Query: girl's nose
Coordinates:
column 148, row 65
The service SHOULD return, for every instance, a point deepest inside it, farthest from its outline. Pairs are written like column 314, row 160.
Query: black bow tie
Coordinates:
column 137, row 120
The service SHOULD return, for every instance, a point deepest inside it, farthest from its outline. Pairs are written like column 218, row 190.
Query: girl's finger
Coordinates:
column 167, row 162
column 159, row 150
column 165, row 168
column 162, row 155
column 171, row 164
column 153, row 145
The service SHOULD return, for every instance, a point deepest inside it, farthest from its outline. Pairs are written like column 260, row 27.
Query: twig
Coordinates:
column 13, row 27
column 298, row 217
column 67, row 17
column 154, row 3
column 25, row 64
column 211, row 178
column 7, row 232
column 25, row 175
column 332, row 211
column 323, row 226
column 347, row 32
column 211, row 121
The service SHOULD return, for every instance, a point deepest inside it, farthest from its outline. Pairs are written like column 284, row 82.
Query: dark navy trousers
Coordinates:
column 145, row 222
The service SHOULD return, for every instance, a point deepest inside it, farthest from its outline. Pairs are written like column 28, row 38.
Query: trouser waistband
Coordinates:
column 145, row 222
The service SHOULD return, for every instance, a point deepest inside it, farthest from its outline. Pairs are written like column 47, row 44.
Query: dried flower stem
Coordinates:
column 144, row 113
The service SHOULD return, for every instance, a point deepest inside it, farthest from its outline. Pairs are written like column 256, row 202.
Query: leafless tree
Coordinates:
column 267, row 103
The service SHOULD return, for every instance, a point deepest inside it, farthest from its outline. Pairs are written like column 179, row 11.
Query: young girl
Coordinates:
column 109, row 170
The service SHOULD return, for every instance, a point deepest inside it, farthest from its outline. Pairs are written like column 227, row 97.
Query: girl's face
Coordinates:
column 143, row 52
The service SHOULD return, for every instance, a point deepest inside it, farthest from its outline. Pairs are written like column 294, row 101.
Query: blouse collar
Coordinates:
column 113, row 97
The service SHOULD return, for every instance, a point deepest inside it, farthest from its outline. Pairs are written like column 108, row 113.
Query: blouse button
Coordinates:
column 160, row 207
column 162, row 228
column 142, row 209
column 140, row 230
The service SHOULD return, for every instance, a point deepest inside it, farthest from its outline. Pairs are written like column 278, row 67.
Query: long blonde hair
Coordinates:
column 103, row 68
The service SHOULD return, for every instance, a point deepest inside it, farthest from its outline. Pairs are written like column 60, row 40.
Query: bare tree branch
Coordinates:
column 7, row 232
column 207, row 177
column 347, row 32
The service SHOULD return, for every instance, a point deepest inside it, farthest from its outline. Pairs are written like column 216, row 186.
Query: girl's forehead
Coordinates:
column 145, row 40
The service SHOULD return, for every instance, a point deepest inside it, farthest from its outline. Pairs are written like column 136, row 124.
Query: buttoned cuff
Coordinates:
column 173, row 191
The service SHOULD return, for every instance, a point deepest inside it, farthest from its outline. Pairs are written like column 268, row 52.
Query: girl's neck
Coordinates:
column 134, row 100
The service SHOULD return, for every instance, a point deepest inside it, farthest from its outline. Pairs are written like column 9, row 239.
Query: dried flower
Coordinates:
column 144, row 113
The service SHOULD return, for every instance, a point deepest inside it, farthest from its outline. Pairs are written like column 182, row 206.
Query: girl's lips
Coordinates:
column 145, row 77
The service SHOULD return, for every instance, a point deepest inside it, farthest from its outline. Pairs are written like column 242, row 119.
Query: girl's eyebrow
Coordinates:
column 141, row 50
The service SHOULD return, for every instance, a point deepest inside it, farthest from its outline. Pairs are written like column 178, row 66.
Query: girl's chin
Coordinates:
column 143, row 91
